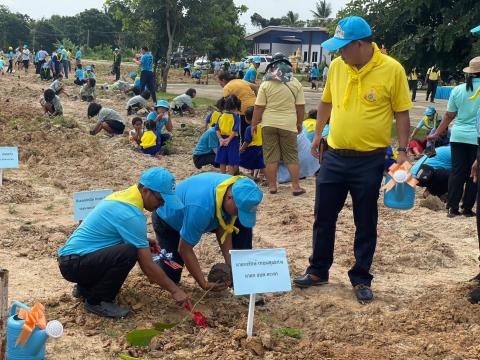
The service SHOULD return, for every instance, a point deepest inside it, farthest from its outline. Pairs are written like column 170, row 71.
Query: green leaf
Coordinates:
column 163, row 326
column 141, row 337
column 127, row 357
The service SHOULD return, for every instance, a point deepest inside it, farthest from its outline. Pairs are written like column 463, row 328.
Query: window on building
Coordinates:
column 315, row 56
column 264, row 51
column 305, row 56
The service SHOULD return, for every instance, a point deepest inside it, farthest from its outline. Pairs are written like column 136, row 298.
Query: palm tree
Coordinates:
column 322, row 12
column 292, row 19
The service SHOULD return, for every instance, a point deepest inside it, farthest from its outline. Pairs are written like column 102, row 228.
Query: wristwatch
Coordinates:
column 402, row 149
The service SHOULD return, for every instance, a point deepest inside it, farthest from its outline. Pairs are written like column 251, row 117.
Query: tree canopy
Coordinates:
column 420, row 33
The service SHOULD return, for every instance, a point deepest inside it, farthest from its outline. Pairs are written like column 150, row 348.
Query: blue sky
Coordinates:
column 267, row 8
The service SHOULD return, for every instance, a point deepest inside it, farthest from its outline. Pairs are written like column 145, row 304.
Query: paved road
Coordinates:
column 214, row 92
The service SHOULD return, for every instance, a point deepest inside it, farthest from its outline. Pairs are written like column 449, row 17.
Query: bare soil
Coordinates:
column 422, row 265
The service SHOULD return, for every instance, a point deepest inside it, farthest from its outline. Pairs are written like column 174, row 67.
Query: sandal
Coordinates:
column 299, row 192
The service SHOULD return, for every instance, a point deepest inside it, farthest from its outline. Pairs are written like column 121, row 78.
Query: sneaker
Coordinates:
column 364, row 293
column 468, row 213
column 453, row 212
column 107, row 309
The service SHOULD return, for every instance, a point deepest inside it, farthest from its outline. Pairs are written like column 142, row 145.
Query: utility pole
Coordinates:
column 88, row 38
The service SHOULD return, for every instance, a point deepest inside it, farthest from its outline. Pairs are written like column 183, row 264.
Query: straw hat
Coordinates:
column 474, row 66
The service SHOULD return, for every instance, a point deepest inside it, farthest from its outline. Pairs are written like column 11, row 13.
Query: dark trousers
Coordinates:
column 147, row 80
column 460, row 183
column 10, row 66
column 412, row 84
column 339, row 175
column 116, row 71
column 169, row 239
column 205, row 159
column 431, row 89
column 437, row 184
column 100, row 274
column 66, row 69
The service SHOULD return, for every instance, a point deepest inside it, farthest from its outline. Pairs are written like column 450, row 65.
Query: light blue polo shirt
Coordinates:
column 197, row 217
column 146, row 62
column 78, row 54
column 207, row 143
column 464, row 129
column 80, row 74
column 478, row 123
column 443, row 160
column 250, row 75
column 137, row 83
column 110, row 223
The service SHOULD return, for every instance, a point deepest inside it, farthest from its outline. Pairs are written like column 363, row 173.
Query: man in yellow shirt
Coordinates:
column 433, row 75
column 365, row 90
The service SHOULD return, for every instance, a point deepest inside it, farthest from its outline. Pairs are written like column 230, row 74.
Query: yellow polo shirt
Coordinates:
column 433, row 75
column 364, row 121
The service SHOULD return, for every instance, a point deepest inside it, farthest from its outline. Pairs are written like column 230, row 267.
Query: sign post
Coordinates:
column 8, row 160
column 259, row 271
column 85, row 201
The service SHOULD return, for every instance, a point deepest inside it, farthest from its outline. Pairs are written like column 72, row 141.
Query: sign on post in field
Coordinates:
column 85, row 201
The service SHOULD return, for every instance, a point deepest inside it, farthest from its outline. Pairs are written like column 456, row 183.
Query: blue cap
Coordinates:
column 152, row 115
column 133, row 74
column 429, row 111
column 476, row 30
column 25, row 46
column 348, row 29
column 62, row 47
column 247, row 197
column 256, row 59
column 88, row 68
column 162, row 181
column 162, row 103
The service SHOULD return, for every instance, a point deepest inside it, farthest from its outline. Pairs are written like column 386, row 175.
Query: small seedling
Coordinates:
column 11, row 209
column 288, row 332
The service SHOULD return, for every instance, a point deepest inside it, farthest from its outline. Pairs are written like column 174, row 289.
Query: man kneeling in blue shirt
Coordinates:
column 223, row 204
column 101, row 252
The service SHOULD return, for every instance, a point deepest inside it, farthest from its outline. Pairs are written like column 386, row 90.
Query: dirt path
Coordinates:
column 421, row 268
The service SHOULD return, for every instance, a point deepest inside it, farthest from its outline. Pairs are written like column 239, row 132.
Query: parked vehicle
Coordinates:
column 264, row 61
column 202, row 63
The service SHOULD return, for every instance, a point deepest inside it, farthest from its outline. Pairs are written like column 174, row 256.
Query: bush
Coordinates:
column 105, row 52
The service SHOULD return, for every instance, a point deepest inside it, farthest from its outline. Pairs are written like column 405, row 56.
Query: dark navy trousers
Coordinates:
column 339, row 175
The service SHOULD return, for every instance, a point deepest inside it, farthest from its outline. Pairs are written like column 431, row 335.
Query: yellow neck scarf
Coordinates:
column 221, row 191
column 434, row 121
column 356, row 76
column 130, row 196
column 477, row 94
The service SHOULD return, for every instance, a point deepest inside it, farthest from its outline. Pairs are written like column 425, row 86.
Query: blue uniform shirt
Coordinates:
column 250, row 75
column 137, row 83
column 207, row 143
column 443, row 160
column 11, row 55
column 78, row 54
column 110, row 223
column 315, row 73
column 198, row 216
column 146, row 62
column 80, row 74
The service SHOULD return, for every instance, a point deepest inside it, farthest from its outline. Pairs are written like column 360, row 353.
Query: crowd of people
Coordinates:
column 263, row 128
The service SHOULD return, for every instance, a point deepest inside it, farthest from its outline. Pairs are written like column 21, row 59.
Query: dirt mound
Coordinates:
column 17, row 192
column 220, row 273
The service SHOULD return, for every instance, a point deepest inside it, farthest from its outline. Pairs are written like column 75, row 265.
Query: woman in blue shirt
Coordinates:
column 314, row 75
column 463, row 140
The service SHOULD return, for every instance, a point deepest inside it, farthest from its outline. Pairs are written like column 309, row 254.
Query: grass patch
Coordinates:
column 420, row 133
column 200, row 103
column 11, row 209
column 49, row 207
column 288, row 332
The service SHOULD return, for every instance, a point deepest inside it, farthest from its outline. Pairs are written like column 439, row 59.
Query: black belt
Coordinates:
column 64, row 259
column 354, row 153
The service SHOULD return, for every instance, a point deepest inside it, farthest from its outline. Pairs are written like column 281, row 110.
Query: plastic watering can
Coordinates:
column 34, row 348
column 399, row 190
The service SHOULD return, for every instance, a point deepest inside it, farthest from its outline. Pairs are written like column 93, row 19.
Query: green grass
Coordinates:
column 420, row 133
column 198, row 102
column 288, row 332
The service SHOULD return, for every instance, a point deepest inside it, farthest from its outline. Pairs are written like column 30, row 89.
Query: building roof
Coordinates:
column 284, row 28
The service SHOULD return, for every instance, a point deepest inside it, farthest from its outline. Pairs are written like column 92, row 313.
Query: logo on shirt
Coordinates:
column 339, row 33
column 371, row 95
column 173, row 185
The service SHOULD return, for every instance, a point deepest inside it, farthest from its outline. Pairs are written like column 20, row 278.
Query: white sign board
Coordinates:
column 85, row 201
column 8, row 157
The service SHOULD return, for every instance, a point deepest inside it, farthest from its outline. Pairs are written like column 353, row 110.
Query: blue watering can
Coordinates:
column 400, row 187
column 34, row 348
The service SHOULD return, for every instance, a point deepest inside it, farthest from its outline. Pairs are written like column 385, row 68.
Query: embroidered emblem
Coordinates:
column 371, row 96
column 339, row 33
column 173, row 185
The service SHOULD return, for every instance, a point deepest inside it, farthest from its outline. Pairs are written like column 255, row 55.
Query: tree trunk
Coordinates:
column 3, row 310
column 171, row 34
